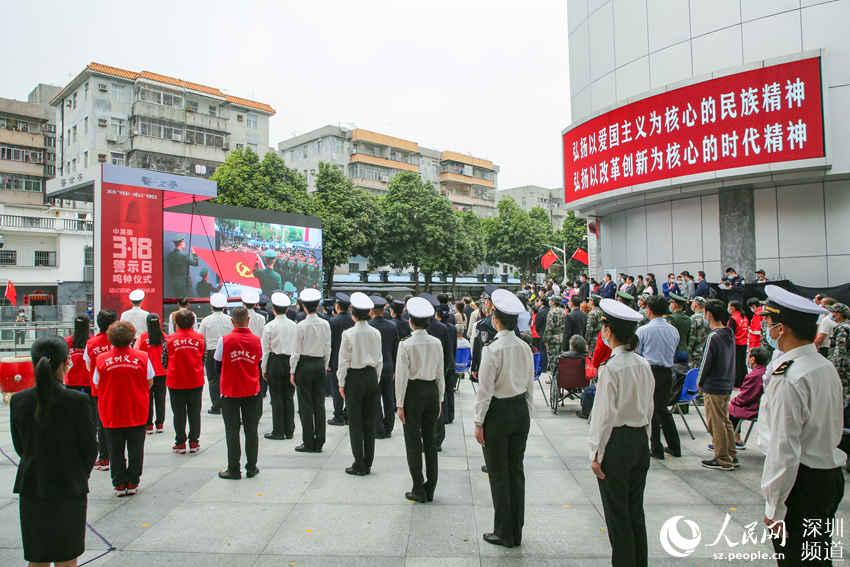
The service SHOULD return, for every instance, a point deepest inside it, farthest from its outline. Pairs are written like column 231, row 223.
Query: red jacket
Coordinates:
column 601, row 352
column 95, row 347
column 240, row 359
column 123, row 388
column 79, row 374
column 755, row 328
column 742, row 328
column 154, row 352
column 186, row 351
column 746, row 404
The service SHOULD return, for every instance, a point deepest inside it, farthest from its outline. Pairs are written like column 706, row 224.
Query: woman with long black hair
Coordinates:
column 78, row 377
column 53, row 431
column 151, row 342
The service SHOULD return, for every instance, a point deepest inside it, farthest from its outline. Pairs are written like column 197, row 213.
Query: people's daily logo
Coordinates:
column 676, row 545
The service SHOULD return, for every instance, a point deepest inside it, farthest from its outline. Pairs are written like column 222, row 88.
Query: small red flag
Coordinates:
column 11, row 294
column 581, row 256
column 548, row 259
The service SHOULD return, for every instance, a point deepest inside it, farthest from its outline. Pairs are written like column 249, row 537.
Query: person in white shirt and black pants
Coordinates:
column 503, row 417
column 277, row 348
column 619, row 451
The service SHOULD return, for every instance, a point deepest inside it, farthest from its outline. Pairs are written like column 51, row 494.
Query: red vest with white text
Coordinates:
column 79, row 374
column 95, row 347
column 123, row 388
column 185, row 360
column 240, row 359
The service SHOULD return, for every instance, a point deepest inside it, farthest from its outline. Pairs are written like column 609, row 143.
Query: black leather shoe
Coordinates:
column 415, row 497
column 253, row 473
column 274, row 437
column 288, row 436
column 484, row 468
column 496, row 540
column 336, row 421
column 352, row 470
column 302, row 449
column 368, row 470
column 655, row 455
column 228, row 475
column 389, row 434
column 430, row 497
column 214, row 411
column 670, row 452
column 380, row 435
column 439, row 448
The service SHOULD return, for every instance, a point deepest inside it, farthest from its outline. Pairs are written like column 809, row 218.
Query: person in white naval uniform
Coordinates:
column 136, row 316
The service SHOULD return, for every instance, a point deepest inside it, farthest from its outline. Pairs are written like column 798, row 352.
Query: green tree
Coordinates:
column 467, row 250
column 572, row 236
column 517, row 237
column 351, row 219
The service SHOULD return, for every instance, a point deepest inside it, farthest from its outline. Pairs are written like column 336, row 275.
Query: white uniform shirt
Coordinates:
column 827, row 327
column 420, row 357
column 623, row 397
column 277, row 337
column 215, row 326
column 256, row 322
column 800, row 422
column 506, row 371
column 138, row 318
column 171, row 326
column 360, row 347
column 312, row 337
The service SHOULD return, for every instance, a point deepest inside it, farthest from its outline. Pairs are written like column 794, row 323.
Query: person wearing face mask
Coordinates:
column 669, row 286
column 826, row 327
column 735, row 285
column 800, row 428
column 741, row 327
column 839, row 349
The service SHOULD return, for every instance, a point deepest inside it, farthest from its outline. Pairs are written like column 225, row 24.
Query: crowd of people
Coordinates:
column 379, row 359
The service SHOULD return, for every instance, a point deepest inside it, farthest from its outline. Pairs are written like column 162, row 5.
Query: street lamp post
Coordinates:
column 564, row 262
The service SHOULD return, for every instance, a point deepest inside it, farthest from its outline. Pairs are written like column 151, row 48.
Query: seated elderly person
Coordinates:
column 746, row 404
column 461, row 342
column 578, row 349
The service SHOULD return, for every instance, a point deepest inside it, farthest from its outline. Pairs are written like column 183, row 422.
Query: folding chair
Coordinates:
column 689, row 395
column 463, row 362
column 538, row 368
column 569, row 381
column 750, row 430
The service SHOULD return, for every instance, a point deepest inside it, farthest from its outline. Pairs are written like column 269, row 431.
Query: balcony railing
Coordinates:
column 45, row 223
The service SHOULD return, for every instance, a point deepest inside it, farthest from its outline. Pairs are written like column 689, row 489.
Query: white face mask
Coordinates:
column 605, row 339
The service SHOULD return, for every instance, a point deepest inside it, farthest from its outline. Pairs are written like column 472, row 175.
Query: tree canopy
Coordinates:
column 517, row 237
column 571, row 237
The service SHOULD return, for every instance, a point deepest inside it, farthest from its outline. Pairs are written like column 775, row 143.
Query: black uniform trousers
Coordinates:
column 740, row 364
column 103, row 446
column 385, row 408
column 264, row 388
column 157, row 401
column 232, row 410
column 282, row 394
column 815, row 496
column 448, row 407
column 625, row 464
column 339, row 401
column 662, row 418
column 133, row 439
column 214, row 380
column 186, row 404
column 421, row 408
column 310, row 378
column 361, row 396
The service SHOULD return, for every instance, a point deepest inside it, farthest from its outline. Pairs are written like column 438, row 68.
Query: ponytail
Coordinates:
column 48, row 354
column 632, row 343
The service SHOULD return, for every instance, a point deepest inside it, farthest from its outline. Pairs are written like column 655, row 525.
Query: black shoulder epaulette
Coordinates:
column 491, row 341
column 606, row 360
column 783, row 368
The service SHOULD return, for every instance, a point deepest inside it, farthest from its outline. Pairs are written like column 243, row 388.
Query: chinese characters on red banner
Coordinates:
column 767, row 115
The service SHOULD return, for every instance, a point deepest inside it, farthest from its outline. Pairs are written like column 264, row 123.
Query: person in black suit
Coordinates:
column 385, row 413
column 341, row 322
column 632, row 288
column 441, row 332
column 448, row 414
column 404, row 330
column 540, row 327
column 54, row 433
column 584, row 288
column 575, row 323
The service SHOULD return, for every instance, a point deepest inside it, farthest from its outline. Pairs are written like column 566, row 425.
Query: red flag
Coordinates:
column 236, row 267
column 11, row 294
column 548, row 259
column 581, row 256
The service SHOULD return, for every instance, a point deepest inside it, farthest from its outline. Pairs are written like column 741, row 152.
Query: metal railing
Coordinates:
column 19, row 338
column 45, row 223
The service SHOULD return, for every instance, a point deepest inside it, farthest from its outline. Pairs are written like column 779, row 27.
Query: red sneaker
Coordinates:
column 102, row 465
column 131, row 489
column 194, row 447
column 159, row 428
column 181, row 448
column 121, row 490
column 149, row 429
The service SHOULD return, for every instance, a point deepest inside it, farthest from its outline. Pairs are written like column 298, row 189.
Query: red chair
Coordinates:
column 569, row 381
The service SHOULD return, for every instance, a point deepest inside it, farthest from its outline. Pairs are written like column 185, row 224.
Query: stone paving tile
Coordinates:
column 269, row 560
column 442, row 531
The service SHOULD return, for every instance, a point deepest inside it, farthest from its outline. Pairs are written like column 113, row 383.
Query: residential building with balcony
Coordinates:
column 371, row 160
column 530, row 196
column 27, row 152
column 152, row 121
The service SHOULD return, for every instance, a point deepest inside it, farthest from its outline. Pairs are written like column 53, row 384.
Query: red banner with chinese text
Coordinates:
column 131, row 246
column 766, row 115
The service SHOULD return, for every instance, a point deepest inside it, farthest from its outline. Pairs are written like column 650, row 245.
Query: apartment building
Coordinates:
column 371, row 160
column 152, row 121
column 530, row 196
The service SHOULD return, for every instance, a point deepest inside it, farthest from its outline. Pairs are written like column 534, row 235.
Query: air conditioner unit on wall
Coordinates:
column 385, row 178
column 111, row 138
column 177, row 137
column 101, row 87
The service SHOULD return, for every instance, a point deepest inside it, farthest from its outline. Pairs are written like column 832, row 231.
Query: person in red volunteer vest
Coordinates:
column 238, row 355
column 78, row 376
column 152, row 342
column 183, row 359
column 95, row 347
column 123, row 378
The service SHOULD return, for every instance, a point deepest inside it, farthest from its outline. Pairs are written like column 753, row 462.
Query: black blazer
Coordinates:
column 389, row 344
column 56, row 458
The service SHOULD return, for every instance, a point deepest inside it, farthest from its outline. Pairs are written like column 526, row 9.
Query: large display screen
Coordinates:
column 203, row 255
column 767, row 115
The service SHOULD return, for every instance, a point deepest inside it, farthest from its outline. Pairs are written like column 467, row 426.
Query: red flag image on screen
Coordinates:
column 548, row 259
column 11, row 294
column 581, row 256
column 235, row 267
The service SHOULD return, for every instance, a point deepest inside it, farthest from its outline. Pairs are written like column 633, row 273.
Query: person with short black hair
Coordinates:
column 741, row 328
column 151, row 342
column 340, row 323
column 702, row 288
column 183, row 354
column 213, row 327
column 182, row 305
column 397, row 309
column 385, row 406
column 734, row 286
column 575, row 322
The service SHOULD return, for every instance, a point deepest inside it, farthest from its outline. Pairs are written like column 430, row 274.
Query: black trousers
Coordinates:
column 544, row 360
column 264, row 388
column 103, row 446
column 506, row 427
column 361, row 396
column 214, row 380
column 157, row 399
column 186, row 403
column 421, row 408
column 448, row 414
column 815, row 496
column 385, row 407
column 232, row 410
column 311, row 379
column 625, row 464
column 282, row 394
column 133, row 439
column 662, row 418
column 740, row 364
column 339, row 402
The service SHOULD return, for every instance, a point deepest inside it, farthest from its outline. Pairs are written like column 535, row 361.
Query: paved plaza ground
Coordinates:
column 303, row 510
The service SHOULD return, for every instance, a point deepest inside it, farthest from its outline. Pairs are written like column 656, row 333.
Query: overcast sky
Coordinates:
column 489, row 78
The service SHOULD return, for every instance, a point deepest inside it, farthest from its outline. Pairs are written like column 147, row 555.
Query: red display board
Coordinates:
column 768, row 115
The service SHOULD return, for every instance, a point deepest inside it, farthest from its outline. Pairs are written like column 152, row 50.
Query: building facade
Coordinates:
column 731, row 121
column 371, row 160
column 530, row 196
column 151, row 121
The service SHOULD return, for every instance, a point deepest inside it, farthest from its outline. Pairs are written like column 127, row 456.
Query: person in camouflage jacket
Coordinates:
column 839, row 348
column 594, row 323
column 699, row 332
column 642, row 309
column 554, row 330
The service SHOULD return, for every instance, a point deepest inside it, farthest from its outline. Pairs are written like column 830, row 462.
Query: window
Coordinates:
column 117, row 93
column 117, row 159
column 191, row 106
column 319, row 146
column 353, row 267
column 50, row 170
column 160, row 129
column 212, row 110
column 8, row 257
column 204, row 137
column 252, row 121
column 88, row 256
column 118, row 127
column 85, row 159
column 291, row 156
column 523, row 201
column 253, row 147
column 74, row 132
column 51, row 128
column 240, row 146
column 75, row 100
column 45, row 258
column 85, row 125
column 17, row 182
column 339, row 147
column 68, row 138
column 17, row 153
column 86, row 92
column 158, row 95
column 50, row 142
column 74, row 165
column 377, row 152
